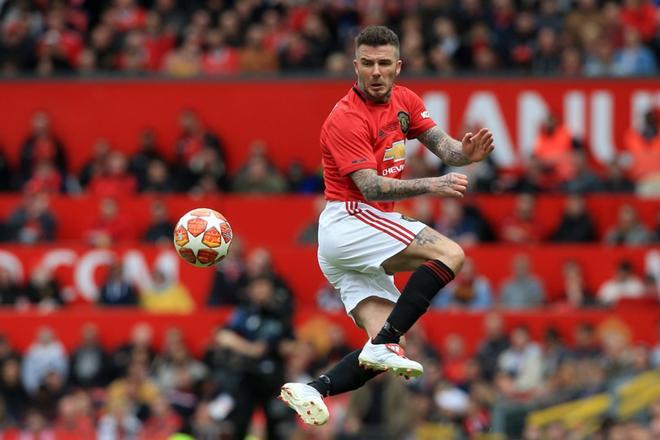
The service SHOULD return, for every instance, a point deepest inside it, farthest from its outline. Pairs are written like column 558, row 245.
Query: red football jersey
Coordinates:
column 360, row 134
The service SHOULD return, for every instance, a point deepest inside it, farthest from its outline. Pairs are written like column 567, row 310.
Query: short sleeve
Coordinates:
column 420, row 120
column 346, row 137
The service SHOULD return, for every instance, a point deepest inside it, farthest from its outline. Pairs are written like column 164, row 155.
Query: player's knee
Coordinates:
column 451, row 254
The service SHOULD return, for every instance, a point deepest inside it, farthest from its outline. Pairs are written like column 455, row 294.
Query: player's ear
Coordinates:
column 398, row 67
column 355, row 66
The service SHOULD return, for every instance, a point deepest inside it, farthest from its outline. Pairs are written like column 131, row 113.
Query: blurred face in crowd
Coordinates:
column 40, row 123
column 519, row 338
column 260, row 291
column 376, row 68
column 575, row 205
column 521, row 266
column 493, row 325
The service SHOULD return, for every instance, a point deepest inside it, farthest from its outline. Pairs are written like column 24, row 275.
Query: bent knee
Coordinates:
column 451, row 254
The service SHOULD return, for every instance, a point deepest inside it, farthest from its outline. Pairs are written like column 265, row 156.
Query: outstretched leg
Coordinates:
column 346, row 375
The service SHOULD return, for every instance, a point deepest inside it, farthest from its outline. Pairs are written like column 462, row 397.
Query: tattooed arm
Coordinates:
column 472, row 148
column 378, row 188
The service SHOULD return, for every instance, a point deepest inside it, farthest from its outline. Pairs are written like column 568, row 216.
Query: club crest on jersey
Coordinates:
column 396, row 153
column 404, row 121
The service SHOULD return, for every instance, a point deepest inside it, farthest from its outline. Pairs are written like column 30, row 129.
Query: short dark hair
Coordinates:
column 377, row 36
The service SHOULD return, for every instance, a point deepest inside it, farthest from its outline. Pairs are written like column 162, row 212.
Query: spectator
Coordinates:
column 455, row 360
column 172, row 362
column 259, row 349
column 118, row 422
column 576, row 224
column 135, row 388
column 309, row 235
column 45, row 355
column 109, row 228
column 575, row 293
column 536, row 178
column 523, row 289
column 258, row 175
column 229, row 277
column 454, row 224
column 12, row 392
column 522, row 365
column 43, row 290
column 163, row 422
column 45, row 178
column 115, row 180
column 35, row 426
column 254, row 57
column 634, row 58
column 32, row 222
column 629, row 230
column 553, row 147
column 158, row 180
column 147, row 152
column 49, row 393
column 89, row 361
column 42, row 145
column 643, row 145
column 166, row 296
column 583, row 180
column 10, row 291
column 6, row 351
column 300, row 181
column 199, row 152
column 522, row 226
column 139, row 348
column 469, row 290
column 600, row 60
column 97, row 164
column 624, row 284
column 185, row 60
column 74, row 419
column 377, row 404
column 116, row 290
column 546, row 60
column 259, row 264
column 160, row 229
column 555, row 352
column 586, row 345
column 615, row 179
column 219, row 58
column 494, row 343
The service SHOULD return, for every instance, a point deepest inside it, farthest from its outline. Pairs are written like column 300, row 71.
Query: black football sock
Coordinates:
column 415, row 299
column 346, row 375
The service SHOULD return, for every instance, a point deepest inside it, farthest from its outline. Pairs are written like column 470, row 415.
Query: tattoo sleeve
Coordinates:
column 375, row 187
column 444, row 146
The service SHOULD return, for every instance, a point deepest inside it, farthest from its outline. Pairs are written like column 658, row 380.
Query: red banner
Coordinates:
column 287, row 115
column 81, row 270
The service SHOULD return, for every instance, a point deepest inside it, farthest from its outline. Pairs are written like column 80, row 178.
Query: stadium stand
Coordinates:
column 143, row 110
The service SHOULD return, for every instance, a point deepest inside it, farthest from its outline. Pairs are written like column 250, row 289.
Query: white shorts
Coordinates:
column 354, row 240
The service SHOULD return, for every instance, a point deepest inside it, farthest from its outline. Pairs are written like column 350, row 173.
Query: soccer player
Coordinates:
column 362, row 242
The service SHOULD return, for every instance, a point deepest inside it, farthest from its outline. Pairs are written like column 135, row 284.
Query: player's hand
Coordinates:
column 449, row 185
column 477, row 146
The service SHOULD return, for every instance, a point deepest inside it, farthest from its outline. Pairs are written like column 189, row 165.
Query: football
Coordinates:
column 202, row 237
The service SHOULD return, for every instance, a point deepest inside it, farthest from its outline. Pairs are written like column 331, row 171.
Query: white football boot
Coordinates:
column 389, row 357
column 306, row 401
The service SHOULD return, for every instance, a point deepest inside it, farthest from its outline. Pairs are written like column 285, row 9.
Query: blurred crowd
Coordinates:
column 140, row 391
column 197, row 164
column 220, row 37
